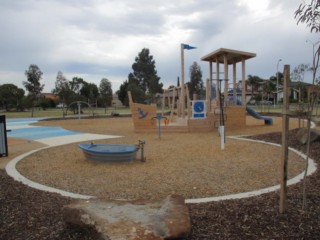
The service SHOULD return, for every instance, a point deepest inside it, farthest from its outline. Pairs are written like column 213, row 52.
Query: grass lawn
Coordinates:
column 54, row 112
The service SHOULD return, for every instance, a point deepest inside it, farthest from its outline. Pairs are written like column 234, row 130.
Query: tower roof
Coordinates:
column 233, row 56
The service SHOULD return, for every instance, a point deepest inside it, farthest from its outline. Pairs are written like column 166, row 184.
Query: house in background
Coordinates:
column 49, row 96
column 256, row 92
column 298, row 92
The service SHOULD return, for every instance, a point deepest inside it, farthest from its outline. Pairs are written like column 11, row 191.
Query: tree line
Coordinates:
column 12, row 97
column 143, row 82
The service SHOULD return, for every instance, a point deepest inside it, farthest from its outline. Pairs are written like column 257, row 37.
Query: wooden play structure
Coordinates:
column 184, row 115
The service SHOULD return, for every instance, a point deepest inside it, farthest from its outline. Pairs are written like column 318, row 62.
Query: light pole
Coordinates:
column 278, row 80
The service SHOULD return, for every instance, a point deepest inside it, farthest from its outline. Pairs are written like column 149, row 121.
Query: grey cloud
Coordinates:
column 57, row 35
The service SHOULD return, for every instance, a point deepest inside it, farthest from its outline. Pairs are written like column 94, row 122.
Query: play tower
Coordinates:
column 232, row 95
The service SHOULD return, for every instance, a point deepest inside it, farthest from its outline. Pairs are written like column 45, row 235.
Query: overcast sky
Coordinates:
column 96, row 39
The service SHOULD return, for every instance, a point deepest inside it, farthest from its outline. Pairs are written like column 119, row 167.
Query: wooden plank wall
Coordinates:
column 142, row 115
column 235, row 117
column 201, row 125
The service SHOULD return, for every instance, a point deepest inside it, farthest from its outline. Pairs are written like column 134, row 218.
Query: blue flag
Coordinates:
column 188, row 47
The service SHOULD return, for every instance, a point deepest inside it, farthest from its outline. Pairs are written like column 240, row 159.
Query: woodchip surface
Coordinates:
column 190, row 164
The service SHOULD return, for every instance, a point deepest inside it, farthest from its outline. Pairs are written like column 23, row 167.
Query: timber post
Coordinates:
column 284, row 148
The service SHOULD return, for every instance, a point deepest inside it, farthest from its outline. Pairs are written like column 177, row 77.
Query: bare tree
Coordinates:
column 298, row 75
column 310, row 13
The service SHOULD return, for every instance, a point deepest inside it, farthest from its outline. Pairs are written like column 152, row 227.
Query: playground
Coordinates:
column 195, row 157
column 190, row 164
column 188, row 159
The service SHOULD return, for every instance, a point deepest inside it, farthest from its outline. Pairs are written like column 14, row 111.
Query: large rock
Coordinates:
column 302, row 135
column 139, row 220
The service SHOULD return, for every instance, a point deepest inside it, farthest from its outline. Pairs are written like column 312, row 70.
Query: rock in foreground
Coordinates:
column 302, row 135
column 139, row 219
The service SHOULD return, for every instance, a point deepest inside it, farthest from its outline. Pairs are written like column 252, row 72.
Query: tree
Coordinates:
column 143, row 81
column 63, row 90
column 90, row 92
column 123, row 93
column 309, row 13
column 33, row 85
column 62, row 87
column 105, row 89
column 274, row 78
column 254, row 82
column 299, row 72
column 76, row 84
column 298, row 76
column 137, row 93
column 196, row 84
column 47, row 103
column 145, row 74
column 269, row 88
column 11, row 96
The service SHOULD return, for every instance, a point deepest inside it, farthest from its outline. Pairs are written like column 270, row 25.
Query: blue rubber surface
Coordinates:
column 35, row 133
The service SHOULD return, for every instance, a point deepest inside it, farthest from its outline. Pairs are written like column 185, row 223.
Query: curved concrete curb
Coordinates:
column 13, row 172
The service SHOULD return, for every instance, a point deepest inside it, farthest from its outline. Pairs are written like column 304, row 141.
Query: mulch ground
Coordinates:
column 27, row 213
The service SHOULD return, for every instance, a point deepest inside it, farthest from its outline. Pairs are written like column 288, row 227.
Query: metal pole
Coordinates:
column 159, row 125
column 79, row 109
column 182, row 80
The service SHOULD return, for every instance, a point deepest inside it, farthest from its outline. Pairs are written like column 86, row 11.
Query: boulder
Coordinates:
column 132, row 219
column 316, row 120
column 302, row 135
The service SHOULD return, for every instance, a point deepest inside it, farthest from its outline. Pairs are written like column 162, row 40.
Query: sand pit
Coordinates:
column 190, row 164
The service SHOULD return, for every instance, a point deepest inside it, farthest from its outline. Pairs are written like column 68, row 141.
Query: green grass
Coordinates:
column 53, row 112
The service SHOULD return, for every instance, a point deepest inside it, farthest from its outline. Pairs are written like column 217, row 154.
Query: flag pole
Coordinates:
column 182, row 81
